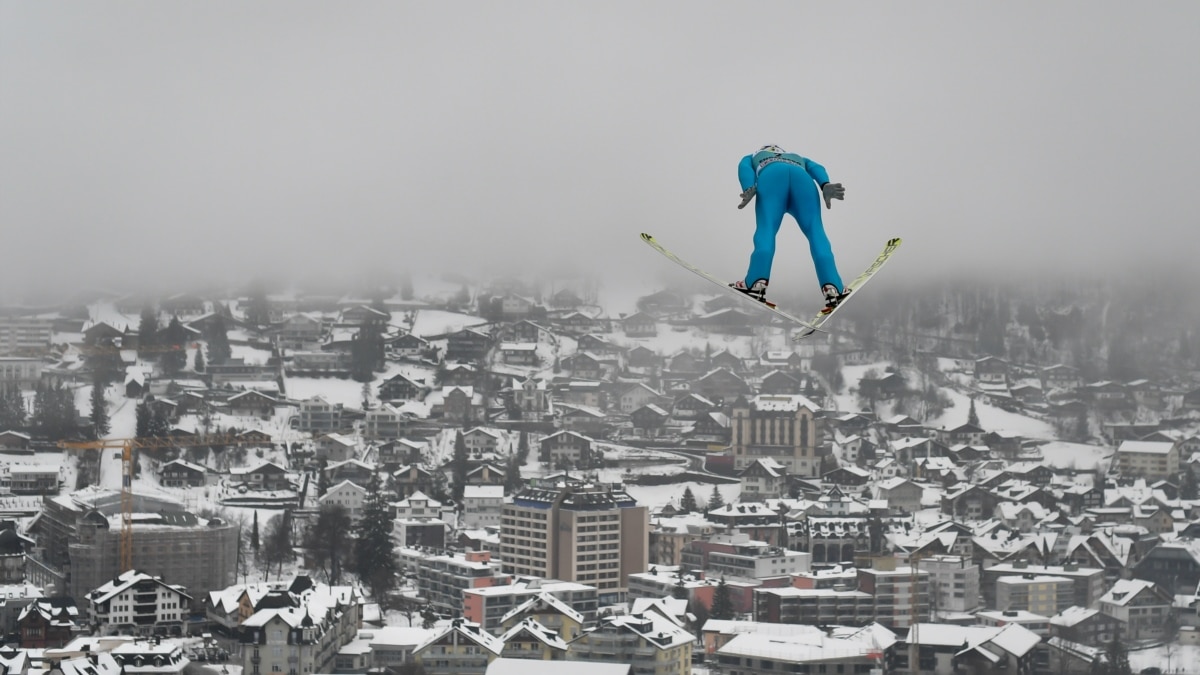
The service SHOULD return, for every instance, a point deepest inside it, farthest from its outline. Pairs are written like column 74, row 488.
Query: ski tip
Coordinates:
column 894, row 241
column 646, row 237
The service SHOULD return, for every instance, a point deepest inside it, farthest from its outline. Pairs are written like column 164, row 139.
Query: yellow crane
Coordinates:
column 127, row 446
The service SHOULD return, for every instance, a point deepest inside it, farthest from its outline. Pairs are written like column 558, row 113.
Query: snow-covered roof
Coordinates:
column 783, row 402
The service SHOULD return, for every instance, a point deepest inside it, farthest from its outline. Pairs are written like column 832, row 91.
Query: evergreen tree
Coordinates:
column 374, row 552
column 679, row 592
column 523, row 447
column 12, row 410
column 367, row 352
column 254, row 534
column 428, row 617
column 160, row 424
column 512, row 476
column 972, row 416
column 143, row 414
column 277, row 549
column 715, row 500
column 217, row 336
column 687, row 503
column 198, row 364
column 722, row 604
column 147, row 332
column 327, row 540
column 258, row 308
column 174, row 339
column 100, row 423
column 1118, row 658
column 459, row 467
column 1188, row 488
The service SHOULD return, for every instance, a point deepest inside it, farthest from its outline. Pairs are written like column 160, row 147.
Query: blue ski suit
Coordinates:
column 785, row 184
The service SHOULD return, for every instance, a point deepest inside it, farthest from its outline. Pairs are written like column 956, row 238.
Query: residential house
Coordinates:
column 252, row 403
column 467, row 345
column 462, row 404
column 460, row 648
column 653, row 643
column 1144, row 607
column 519, row 353
column 48, row 623
column 764, row 478
column 639, row 325
column 649, row 419
column 566, row 446
column 400, row 387
column 140, row 604
column 334, row 447
column 349, row 496
column 405, row 346
column 267, row 476
column 182, row 473
column 636, row 396
column 901, row 494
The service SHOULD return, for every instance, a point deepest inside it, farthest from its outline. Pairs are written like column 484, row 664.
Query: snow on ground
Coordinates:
column 1082, row 456
column 657, row 496
column 847, row 400
column 106, row 312
column 991, row 418
column 333, row 389
column 252, row 356
column 440, row 322
column 671, row 340
column 1173, row 658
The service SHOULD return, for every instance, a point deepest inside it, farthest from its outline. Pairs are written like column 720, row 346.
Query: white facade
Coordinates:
column 347, row 495
column 482, row 505
column 137, row 602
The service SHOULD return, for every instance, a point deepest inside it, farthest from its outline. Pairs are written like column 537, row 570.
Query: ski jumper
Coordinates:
column 785, row 184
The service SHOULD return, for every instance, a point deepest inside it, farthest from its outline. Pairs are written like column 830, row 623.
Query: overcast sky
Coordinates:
column 194, row 140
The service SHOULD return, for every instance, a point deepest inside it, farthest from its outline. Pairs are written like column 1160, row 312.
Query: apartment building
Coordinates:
column 25, row 335
column 1142, row 606
column 18, row 373
column 1148, row 459
column 489, row 605
column 576, row 531
column 1088, row 582
column 740, row 557
column 754, row 653
column 1043, row 594
column 443, row 577
column 140, row 604
column 318, row 416
column 482, row 505
column 301, row 639
column 652, row 643
column 953, row 584
column 461, row 648
column 813, row 606
column 901, row 593
column 784, row 428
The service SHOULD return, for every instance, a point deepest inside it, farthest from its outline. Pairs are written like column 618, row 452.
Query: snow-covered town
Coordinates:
column 446, row 477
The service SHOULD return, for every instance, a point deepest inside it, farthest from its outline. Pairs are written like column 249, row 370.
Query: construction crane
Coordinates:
column 127, row 446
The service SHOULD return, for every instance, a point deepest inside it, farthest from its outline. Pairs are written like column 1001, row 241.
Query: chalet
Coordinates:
column 529, row 396
column 730, row 321
column 968, row 434
column 565, row 298
column 468, row 345
column 565, row 445
column 13, row 440
column 598, row 345
column 691, row 406
column 763, row 478
column 485, row 474
column 406, row 346
column 408, row 480
column 480, row 440
column 662, row 303
column 779, row 382
column 360, row 315
column 251, row 403
column 784, row 360
column 991, row 369
column 460, row 375
column 301, row 331
column 138, row 603
column 727, row 359
column 582, row 392
column 101, row 333
column 514, row 306
column 335, row 447
column 639, row 325
column 584, row 419
column 352, row 470
column 884, row 388
column 182, row 473
column 847, row 476
column 1106, row 395
column 587, row 366
column 901, row 494
column 525, row 331
column 1033, row 473
column 48, row 623
column 164, row 407
column 642, row 356
column 254, row 437
column 576, row 322
column 347, row 494
column 970, row 502
column 1144, row 607
column 686, row 362
column 267, row 476
column 637, row 396
column 519, row 353
column 1028, row 394
column 711, row 428
column 650, row 419
column 1060, row 377
column 462, row 404
column 899, row 426
column 723, row 384
column 910, row 449
column 401, row 451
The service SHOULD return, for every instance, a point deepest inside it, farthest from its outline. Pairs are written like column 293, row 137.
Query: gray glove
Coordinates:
column 831, row 191
column 747, row 196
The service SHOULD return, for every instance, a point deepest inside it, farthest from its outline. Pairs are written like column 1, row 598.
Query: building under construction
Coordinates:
column 79, row 544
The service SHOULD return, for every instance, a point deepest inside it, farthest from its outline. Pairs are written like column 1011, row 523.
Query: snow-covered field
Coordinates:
column 1081, row 456
column 991, row 418
column 439, row 322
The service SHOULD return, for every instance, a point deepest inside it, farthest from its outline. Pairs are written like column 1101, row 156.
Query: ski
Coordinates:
column 861, row 280
column 770, row 307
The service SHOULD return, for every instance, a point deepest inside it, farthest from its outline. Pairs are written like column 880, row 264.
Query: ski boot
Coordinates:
column 757, row 290
column 833, row 297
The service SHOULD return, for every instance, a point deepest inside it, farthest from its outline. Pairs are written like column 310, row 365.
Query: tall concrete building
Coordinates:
column 576, row 531
column 784, row 428
column 78, row 544
column 25, row 335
